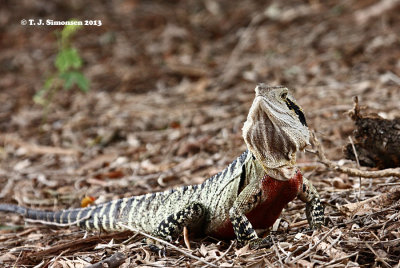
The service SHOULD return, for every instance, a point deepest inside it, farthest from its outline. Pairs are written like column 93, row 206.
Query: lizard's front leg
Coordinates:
column 247, row 200
column 314, row 208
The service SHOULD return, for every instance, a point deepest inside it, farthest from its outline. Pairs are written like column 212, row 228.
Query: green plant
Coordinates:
column 68, row 73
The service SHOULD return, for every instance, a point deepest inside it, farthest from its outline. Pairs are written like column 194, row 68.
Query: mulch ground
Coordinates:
column 171, row 85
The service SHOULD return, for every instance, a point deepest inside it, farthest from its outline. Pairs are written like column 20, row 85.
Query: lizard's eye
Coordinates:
column 283, row 95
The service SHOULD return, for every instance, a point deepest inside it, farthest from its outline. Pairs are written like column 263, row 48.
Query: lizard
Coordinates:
column 250, row 193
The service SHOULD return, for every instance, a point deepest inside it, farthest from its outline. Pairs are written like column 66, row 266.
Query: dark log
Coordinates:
column 377, row 140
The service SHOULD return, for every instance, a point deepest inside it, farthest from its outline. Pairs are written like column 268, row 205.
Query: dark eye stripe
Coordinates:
column 292, row 106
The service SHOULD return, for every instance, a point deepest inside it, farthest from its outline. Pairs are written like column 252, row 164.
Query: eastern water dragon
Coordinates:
column 248, row 194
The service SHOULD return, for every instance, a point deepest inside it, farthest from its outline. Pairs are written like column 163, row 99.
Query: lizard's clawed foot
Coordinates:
column 155, row 247
column 261, row 243
column 159, row 249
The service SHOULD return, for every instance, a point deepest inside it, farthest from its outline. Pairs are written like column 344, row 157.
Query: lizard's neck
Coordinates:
column 282, row 173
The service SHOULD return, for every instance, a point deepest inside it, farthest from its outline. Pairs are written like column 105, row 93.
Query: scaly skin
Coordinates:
column 250, row 193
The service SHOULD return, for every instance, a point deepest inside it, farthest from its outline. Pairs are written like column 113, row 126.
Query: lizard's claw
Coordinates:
column 261, row 243
column 160, row 250
column 155, row 247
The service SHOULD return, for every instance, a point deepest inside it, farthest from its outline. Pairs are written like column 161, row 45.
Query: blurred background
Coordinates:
column 171, row 83
column 161, row 64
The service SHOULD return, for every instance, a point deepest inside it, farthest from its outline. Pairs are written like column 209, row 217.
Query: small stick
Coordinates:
column 130, row 239
column 393, row 242
column 340, row 259
column 223, row 254
column 334, row 242
column 388, row 184
column 6, row 189
column 277, row 252
column 378, row 258
column 283, row 251
column 167, row 244
column 16, row 261
column 313, row 247
column 358, row 164
column 35, row 148
column 298, row 224
column 54, row 259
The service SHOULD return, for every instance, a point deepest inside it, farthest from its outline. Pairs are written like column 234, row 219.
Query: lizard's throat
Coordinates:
column 282, row 173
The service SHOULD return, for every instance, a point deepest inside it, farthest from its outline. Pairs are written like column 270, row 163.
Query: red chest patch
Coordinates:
column 278, row 194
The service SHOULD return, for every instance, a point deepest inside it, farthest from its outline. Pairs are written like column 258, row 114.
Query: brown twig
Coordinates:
column 277, row 252
column 17, row 259
column 167, row 244
column 6, row 188
column 358, row 163
column 394, row 172
column 364, row 15
column 298, row 224
column 378, row 258
column 73, row 246
column 301, row 256
column 339, row 259
column 392, row 242
column 36, row 149
column 223, row 254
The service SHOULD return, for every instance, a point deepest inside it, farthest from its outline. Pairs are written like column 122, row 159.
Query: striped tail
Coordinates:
column 100, row 217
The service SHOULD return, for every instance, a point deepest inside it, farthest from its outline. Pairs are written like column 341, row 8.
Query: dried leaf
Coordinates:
column 242, row 251
column 8, row 257
column 86, row 201
column 203, row 250
column 114, row 174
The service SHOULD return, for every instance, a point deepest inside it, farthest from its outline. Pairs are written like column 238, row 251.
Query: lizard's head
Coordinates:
column 275, row 130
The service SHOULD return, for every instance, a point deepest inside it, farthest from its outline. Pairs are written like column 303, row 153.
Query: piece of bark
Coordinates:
column 115, row 260
column 377, row 140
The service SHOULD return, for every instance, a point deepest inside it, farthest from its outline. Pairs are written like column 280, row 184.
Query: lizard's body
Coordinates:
column 250, row 193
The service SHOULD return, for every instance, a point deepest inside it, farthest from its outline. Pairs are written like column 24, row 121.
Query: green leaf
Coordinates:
column 68, row 58
column 74, row 77
column 40, row 96
column 48, row 83
column 69, row 30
